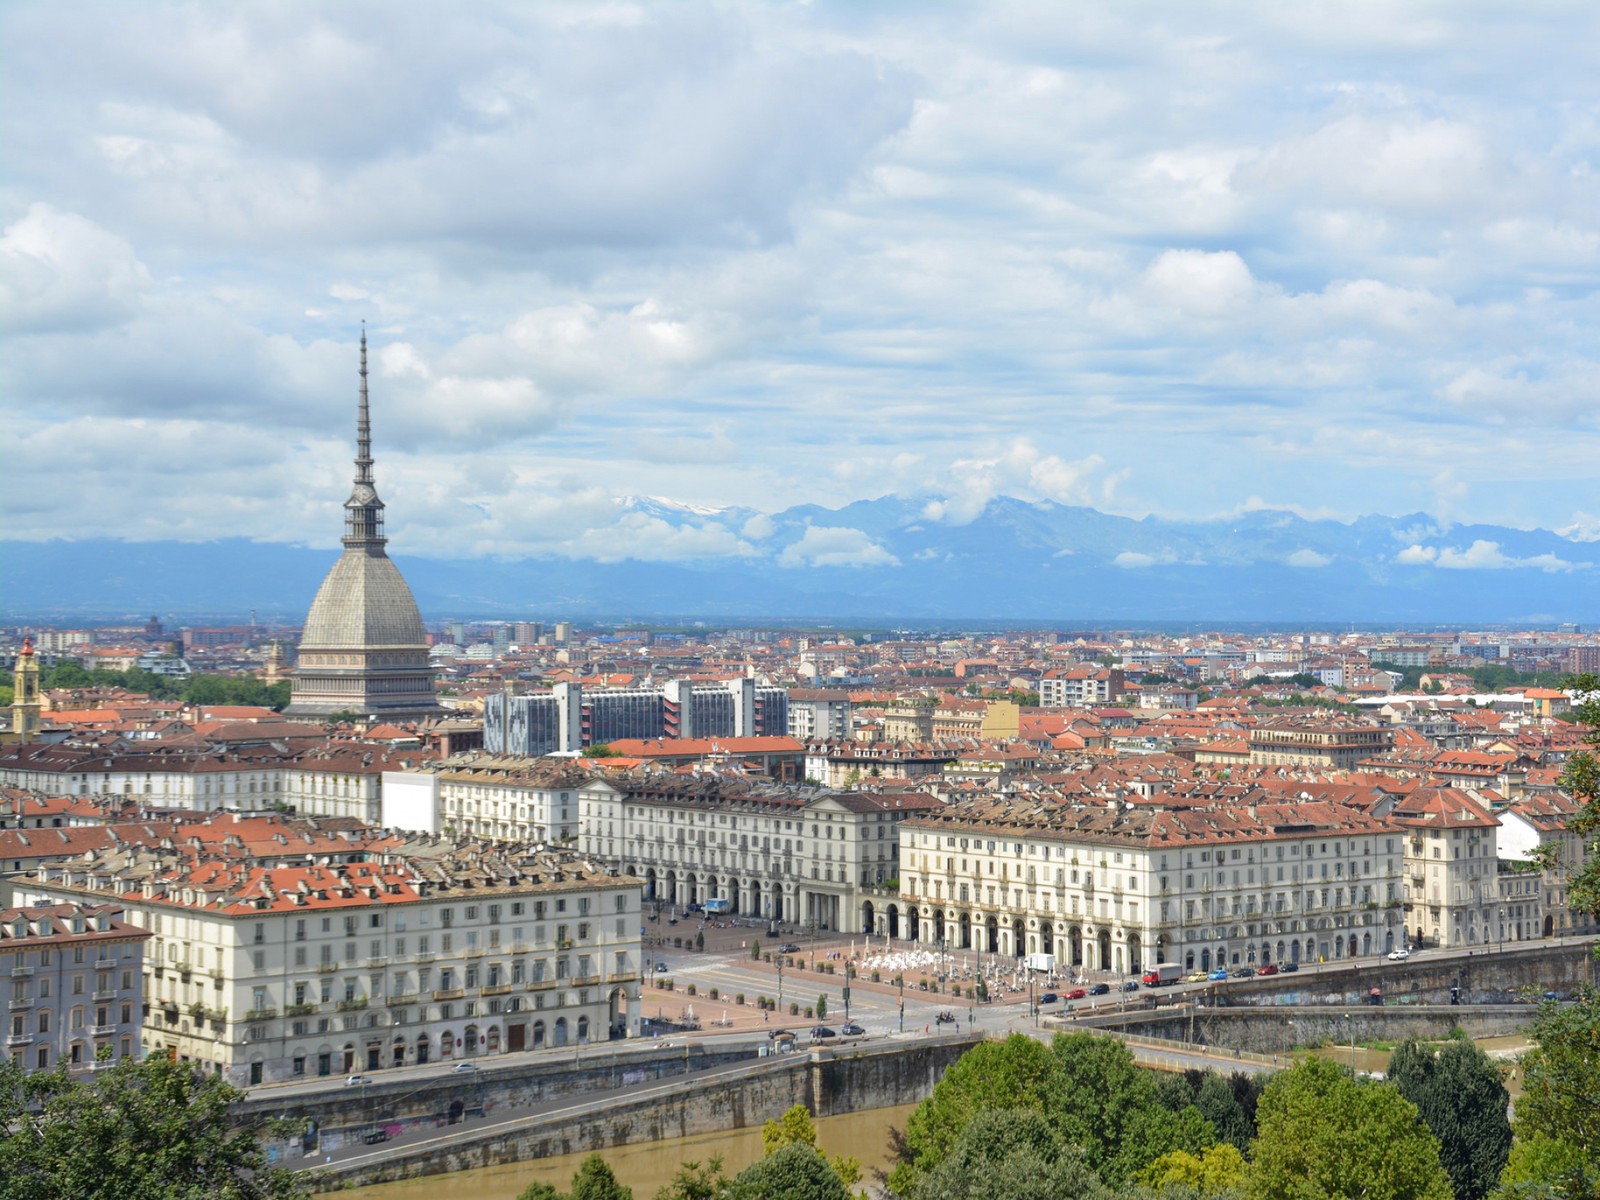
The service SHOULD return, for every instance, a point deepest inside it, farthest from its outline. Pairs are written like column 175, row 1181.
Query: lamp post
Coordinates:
column 780, row 987
column 902, row 980
column 1502, row 931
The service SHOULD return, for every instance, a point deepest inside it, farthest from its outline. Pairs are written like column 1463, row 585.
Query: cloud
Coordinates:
column 1482, row 555
column 1308, row 558
column 60, row 272
column 1019, row 469
column 836, row 546
column 1201, row 283
column 650, row 539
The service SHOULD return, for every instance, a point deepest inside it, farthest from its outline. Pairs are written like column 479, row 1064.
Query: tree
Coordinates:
column 154, row 1129
column 1581, row 778
column 793, row 1172
column 599, row 751
column 594, row 1181
column 1112, row 1109
column 696, row 1182
column 822, row 1007
column 1012, row 1154
column 1324, row 1134
column 1457, row 1090
column 1017, row 1073
column 795, row 1128
column 1217, row 1171
column 1558, row 1121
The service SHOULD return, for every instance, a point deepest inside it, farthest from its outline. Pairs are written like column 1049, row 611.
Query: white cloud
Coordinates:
column 60, row 272
column 1481, row 555
column 1019, row 469
column 1134, row 559
column 1200, row 283
column 836, row 546
column 1306, row 557
column 650, row 539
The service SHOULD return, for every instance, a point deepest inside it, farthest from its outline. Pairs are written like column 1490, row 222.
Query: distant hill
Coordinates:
column 888, row 560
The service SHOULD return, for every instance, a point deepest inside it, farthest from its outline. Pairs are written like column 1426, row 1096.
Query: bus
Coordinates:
column 718, row 906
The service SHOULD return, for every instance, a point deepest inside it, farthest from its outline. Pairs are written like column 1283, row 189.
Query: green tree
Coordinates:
column 822, row 1007
column 695, row 1181
column 1217, row 1171
column 152, row 1130
column 594, row 1181
column 1457, row 1090
column 1558, row 1117
column 1016, row 1073
column 796, row 1128
column 1323, row 1134
column 1012, row 1154
column 1112, row 1109
column 793, row 1172
column 599, row 751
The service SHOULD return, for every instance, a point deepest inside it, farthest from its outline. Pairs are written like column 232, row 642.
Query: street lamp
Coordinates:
column 902, row 981
column 1502, row 931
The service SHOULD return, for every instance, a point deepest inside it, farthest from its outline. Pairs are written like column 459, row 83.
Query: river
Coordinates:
column 647, row 1167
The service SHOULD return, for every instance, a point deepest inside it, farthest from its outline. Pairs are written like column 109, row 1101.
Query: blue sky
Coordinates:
column 1167, row 259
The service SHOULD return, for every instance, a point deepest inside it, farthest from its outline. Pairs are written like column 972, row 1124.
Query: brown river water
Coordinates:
column 645, row 1168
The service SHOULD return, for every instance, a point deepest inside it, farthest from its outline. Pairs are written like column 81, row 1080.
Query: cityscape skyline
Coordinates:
column 757, row 258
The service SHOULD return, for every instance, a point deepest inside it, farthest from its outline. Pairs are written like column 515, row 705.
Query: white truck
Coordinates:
column 1042, row 962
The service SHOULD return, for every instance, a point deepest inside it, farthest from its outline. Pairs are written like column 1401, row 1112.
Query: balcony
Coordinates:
column 262, row 1014
column 19, row 1039
column 473, row 952
column 381, row 960
column 102, row 1030
column 541, row 985
column 327, row 968
column 496, row 989
column 20, row 1002
column 622, row 977
column 448, row 994
column 21, row 972
column 353, row 1005
column 106, row 994
column 105, row 964
column 585, row 980
column 425, row 956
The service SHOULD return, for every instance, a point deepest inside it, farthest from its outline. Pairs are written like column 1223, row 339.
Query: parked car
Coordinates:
column 465, row 1066
column 788, row 948
column 1077, row 993
column 1244, row 972
column 1131, row 985
column 1197, row 976
column 1267, row 969
column 1291, row 965
column 1048, row 998
column 1399, row 954
column 355, row 1081
column 822, row 1033
column 1219, row 973
column 1100, row 989
column 851, row 1029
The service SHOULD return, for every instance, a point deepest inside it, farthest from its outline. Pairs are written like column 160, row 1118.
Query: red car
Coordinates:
column 1268, row 969
column 1076, row 994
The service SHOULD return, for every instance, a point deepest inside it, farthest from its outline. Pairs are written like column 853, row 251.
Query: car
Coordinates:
column 1197, row 976
column 465, row 1066
column 822, row 1033
column 694, row 908
column 851, row 1029
column 1219, row 973
column 1077, row 993
column 1399, row 954
column 355, row 1081
column 1100, row 989
column 1048, row 998
column 788, row 948
column 1131, row 985
column 1291, row 965
column 1267, row 969
column 1244, row 972
column 661, row 968
column 373, row 1136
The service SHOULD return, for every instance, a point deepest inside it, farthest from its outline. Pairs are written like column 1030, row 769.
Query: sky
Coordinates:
column 1155, row 258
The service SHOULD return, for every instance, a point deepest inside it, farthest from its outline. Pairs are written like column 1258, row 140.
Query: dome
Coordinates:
column 363, row 603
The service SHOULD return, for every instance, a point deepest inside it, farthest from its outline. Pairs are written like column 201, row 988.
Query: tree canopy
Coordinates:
column 1458, row 1093
column 1557, row 1124
column 1581, row 778
column 191, row 689
column 1323, row 1134
column 1012, row 1154
column 139, row 1130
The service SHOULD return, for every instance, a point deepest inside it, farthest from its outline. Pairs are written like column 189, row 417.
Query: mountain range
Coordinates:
column 889, row 560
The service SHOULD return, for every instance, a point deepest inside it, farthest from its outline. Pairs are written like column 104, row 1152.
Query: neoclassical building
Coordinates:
column 364, row 649
column 1117, row 887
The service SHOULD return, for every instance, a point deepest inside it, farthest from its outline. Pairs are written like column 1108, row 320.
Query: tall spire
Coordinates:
column 363, row 512
column 363, row 421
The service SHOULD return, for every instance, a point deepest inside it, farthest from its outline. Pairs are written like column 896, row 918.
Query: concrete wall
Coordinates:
column 827, row 1082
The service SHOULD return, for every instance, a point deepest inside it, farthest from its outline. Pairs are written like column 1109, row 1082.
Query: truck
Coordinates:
column 718, row 906
column 1042, row 962
column 1161, row 975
